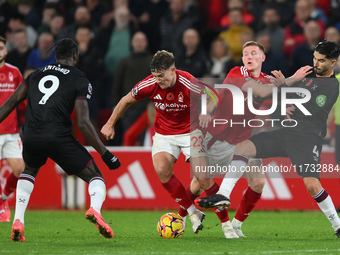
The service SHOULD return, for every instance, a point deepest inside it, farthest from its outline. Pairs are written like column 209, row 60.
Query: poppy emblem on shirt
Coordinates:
column 2, row 76
column 170, row 96
column 309, row 82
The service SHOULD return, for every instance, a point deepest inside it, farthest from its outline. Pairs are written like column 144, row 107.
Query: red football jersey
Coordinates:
column 173, row 105
column 10, row 78
column 237, row 132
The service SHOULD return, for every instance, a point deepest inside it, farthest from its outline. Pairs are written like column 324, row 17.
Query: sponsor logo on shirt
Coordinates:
column 170, row 107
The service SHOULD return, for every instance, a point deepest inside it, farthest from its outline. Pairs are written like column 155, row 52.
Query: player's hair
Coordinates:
column 330, row 49
column 65, row 48
column 253, row 43
column 162, row 60
column 2, row 39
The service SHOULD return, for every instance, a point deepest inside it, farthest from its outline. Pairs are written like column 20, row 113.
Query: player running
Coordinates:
column 169, row 90
column 52, row 92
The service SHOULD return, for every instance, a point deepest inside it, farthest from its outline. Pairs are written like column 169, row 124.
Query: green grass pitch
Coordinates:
column 68, row 232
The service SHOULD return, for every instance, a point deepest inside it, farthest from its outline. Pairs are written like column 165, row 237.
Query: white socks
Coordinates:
column 97, row 191
column 24, row 190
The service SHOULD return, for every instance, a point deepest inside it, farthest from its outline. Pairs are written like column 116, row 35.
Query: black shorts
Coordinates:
column 303, row 149
column 68, row 153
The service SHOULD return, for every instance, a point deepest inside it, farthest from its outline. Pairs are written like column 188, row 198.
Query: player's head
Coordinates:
column 66, row 51
column 163, row 68
column 253, row 56
column 3, row 50
column 326, row 54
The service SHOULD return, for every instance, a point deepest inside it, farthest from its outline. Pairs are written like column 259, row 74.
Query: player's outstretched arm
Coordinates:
column 19, row 95
column 299, row 75
column 108, row 129
column 259, row 89
column 88, row 131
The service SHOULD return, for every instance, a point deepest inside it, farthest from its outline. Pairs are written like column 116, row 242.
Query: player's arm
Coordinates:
column 259, row 89
column 108, row 129
column 297, row 76
column 204, row 119
column 88, row 131
column 19, row 95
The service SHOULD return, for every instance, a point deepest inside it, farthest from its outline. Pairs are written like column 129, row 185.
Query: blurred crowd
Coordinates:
column 118, row 38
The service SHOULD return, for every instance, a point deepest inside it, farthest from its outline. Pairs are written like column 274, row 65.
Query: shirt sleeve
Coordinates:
column 84, row 88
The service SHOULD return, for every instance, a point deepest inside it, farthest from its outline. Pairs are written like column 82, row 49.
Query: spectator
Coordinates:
column 332, row 34
column 91, row 63
column 247, row 18
column 17, row 22
column 108, row 17
column 274, row 60
column 19, row 56
column 173, row 25
column 130, row 70
column 114, row 40
column 32, row 17
column 271, row 21
column 220, row 58
column 232, row 36
column 294, row 33
column 303, row 54
column 48, row 12
column 82, row 17
column 194, row 59
column 317, row 12
column 97, row 11
column 153, row 11
column 41, row 56
column 6, row 12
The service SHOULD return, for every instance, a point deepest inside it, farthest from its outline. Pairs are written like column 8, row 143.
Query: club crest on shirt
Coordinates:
column 180, row 97
column 10, row 76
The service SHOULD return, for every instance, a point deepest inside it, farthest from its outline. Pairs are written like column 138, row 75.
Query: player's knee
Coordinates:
column 257, row 184
column 30, row 171
column 205, row 184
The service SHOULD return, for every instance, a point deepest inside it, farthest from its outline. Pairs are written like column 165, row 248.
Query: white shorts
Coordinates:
column 220, row 155
column 10, row 146
column 191, row 144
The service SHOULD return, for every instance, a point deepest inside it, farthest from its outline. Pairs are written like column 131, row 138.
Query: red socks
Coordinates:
column 11, row 184
column 248, row 203
column 177, row 192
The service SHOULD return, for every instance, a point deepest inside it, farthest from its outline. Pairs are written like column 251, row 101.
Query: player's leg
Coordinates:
column 64, row 154
column 165, row 152
column 324, row 201
column 12, row 152
column 305, row 152
column 97, row 191
column 25, row 187
column 256, row 182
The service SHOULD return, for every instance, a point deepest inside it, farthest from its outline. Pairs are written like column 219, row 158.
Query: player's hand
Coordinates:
column 290, row 111
column 302, row 73
column 110, row 160
column 278, row 79
column 108, row 131
column 204, row 120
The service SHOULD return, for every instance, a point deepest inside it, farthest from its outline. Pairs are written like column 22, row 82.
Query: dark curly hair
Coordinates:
column 330, row 49
column 65, row 48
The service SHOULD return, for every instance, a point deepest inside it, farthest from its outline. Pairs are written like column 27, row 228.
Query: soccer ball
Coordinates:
column 171, row 225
